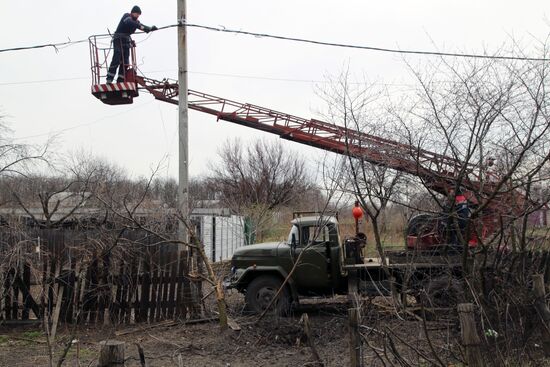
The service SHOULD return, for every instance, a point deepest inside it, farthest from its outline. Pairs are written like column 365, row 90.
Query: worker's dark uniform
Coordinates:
column 462, row 211
column 121, row 46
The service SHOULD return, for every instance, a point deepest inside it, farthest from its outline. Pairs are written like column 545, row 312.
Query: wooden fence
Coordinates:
column 92, row 276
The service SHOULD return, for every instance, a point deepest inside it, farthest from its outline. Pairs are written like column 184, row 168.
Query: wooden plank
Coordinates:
column 15, row 299
column 108, row 281
column 166, row 282
column 146, row 327
column 125, row 284
column 64, row 281
column 154, row 290
column 114, row 307
column 233, row 324
column 173, row 280
column 57, row 311
column 470, row 338
column 8, row 292
column 25, row 285
column 187, row 294
column 125, row 279
column 145, row 288
column 158, row 302
column 353, row 285
column 356, row 359
column 165, row 323
column 94, row 290
column 29, row 302
column 542, row 311
column 180, row 304
column 71, row 289
column 86, row 298
column 103, row 288
column 52, row 316
column 44, row 290
column 309, row 340
column 81, row 285
column 132, row 292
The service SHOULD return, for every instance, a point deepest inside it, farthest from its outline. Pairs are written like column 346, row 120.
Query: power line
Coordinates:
column 370, row 48
column 56, row 46
column 303, row 40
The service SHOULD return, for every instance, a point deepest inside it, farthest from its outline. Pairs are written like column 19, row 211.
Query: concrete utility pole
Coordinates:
column 183, row 124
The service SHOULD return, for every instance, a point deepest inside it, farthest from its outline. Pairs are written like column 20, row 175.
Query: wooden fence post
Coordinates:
column 111, row 353
column 353, row 286
column 542, row 311
column 468, row 331
column 354, row 338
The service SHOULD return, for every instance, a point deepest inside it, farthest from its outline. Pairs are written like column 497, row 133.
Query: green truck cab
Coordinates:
column 313, row 245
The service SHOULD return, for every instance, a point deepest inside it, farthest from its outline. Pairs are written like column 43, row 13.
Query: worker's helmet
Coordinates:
column 136, row 9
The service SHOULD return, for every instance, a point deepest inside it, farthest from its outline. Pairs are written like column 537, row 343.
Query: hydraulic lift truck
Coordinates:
column 425, row 234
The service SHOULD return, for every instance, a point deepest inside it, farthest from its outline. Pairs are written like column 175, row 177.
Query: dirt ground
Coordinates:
column 273, row 341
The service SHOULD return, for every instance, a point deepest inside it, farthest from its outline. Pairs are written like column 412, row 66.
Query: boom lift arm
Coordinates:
column 437, row 170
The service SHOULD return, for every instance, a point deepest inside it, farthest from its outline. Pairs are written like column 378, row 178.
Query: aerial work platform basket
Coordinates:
column 124, row 88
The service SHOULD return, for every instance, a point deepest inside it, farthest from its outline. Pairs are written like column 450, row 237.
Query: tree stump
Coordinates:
column 111, row 354
column 470, row 338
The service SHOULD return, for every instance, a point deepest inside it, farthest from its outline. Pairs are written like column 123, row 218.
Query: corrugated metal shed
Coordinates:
column 221, row 235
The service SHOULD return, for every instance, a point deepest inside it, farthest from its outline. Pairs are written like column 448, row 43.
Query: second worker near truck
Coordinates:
column 122, row 41
column 459, row 215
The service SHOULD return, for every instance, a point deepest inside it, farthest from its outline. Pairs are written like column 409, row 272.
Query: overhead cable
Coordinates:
column 370, row 48
column 56, row 46
column 303, row 40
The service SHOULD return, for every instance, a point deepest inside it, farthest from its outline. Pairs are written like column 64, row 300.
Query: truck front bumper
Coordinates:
column 232, row 280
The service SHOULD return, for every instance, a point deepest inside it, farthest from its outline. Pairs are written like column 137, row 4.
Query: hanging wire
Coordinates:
column 56, row 46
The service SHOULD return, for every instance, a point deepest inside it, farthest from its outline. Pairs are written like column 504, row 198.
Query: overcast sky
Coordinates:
column 44, row 93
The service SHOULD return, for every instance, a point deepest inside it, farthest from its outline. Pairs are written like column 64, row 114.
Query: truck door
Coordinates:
column 313, row 270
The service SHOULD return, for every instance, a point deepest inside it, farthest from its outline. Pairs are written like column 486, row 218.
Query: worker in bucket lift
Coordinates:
column 122, row 42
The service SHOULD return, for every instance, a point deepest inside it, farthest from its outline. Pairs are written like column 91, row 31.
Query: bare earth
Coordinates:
column 269, row 342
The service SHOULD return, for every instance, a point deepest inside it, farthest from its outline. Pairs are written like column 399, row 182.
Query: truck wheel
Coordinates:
column 262, row 290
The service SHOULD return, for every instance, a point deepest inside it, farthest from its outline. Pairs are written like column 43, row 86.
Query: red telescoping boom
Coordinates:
column 437, row 171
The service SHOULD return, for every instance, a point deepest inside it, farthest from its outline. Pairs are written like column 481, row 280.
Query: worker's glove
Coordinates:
column 146, row 29
column 154, row 28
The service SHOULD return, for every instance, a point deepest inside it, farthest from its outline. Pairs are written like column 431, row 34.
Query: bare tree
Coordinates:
column 49, row 200
column 490, row 117
column 356, row 106
column 17, row 158
column 256, row 180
